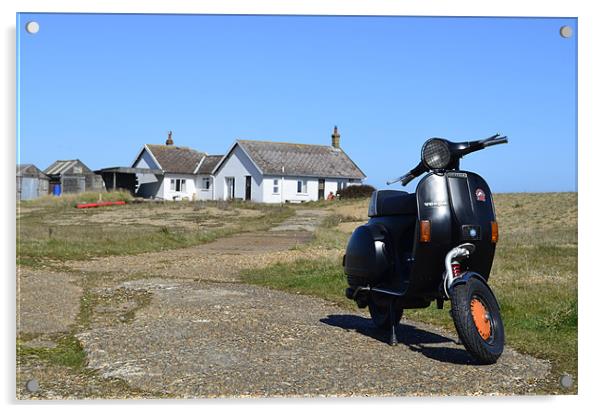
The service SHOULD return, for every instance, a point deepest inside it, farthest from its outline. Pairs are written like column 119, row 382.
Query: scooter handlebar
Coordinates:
column 496, row 141
column 407, row 178
column 458, row 150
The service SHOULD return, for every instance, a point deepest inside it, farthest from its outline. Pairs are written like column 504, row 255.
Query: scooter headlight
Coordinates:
column 436, row 154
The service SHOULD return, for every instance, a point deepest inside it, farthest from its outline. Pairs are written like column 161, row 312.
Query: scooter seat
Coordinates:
column 390, row 202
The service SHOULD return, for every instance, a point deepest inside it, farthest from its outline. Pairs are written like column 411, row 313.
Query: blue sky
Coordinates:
column 98, row 87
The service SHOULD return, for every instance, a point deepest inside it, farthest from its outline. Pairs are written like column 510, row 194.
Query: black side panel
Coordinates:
column 368, row 255
column 473, row 211
column 433, row 205
column 400, row 229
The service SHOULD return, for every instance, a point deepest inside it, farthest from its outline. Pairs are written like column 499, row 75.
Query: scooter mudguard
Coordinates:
column 467, row 275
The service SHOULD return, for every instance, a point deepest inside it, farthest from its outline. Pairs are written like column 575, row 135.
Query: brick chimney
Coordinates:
column 169, row 141
column 336, row 138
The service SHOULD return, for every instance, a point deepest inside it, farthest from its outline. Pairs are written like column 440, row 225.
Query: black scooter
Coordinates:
column 432, row 245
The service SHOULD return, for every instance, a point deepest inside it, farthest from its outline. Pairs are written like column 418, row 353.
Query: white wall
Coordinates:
column 238, row 165
column 267, row 189
column 203, row 194
column 189, row 193
column 288, row 190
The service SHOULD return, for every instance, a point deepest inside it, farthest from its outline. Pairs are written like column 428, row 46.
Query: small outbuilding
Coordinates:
column 31, row 182
column 73, row 176
column 120, row 178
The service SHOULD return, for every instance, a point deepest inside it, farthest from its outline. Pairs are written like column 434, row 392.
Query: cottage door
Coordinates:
column 248, row 189
column 320, row 189
column 230, row 188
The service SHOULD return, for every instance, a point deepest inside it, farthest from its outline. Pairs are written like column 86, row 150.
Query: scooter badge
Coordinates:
column 480, row 195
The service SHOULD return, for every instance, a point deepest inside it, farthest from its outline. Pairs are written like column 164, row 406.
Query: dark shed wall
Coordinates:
column 76, row 178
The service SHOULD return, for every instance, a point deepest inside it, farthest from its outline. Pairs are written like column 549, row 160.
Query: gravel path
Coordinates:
column 48, row 302
column 211, row 340
column 222, row 259
column 180, row 323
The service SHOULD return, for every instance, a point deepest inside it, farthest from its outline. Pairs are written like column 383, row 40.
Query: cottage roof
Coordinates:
column 176, row 159
column 294, row 159
column 209, row 164
column 28, row 169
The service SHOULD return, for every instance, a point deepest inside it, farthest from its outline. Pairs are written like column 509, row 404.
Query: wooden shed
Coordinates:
column 73, row 176
column 31, row 182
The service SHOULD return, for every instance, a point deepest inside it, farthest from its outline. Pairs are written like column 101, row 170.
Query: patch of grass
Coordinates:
column 327, row 236
column 112, row 298
column 70, row 200
column 38, row 242
column 68, row 352
column 319, row 278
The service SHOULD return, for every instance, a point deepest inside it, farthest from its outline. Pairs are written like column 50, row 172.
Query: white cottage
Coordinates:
column 185, row 173
column 278, row 172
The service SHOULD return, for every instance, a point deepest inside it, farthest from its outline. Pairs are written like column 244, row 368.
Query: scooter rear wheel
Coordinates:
column 381, row 315
column 478, row 321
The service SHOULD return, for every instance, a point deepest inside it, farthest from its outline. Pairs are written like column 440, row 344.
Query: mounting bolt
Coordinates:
column 566, row 381
column 32, row 386
column 566, row 31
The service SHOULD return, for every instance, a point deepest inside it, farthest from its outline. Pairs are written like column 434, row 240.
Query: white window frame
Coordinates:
column 302, row 186
column 176, row 183
column 276, row 186
column 205, row 184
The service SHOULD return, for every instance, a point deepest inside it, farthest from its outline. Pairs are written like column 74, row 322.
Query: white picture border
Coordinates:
column 590, row 136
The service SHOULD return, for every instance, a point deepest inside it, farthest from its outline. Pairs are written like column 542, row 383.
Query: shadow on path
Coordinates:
column 413, row 337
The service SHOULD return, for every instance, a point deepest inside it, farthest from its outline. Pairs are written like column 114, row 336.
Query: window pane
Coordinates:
column 183, row 185
column 172, row 185
column 177, row 185
column 299, row 183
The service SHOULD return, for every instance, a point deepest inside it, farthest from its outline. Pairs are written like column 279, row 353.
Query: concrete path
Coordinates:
column 180, row 323
column 210, row 340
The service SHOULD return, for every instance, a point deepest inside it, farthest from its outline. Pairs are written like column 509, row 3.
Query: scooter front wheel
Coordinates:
column 381, row 314
column 478, row 321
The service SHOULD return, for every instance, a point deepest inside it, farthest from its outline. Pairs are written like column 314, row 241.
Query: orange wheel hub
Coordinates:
column 480, row 316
